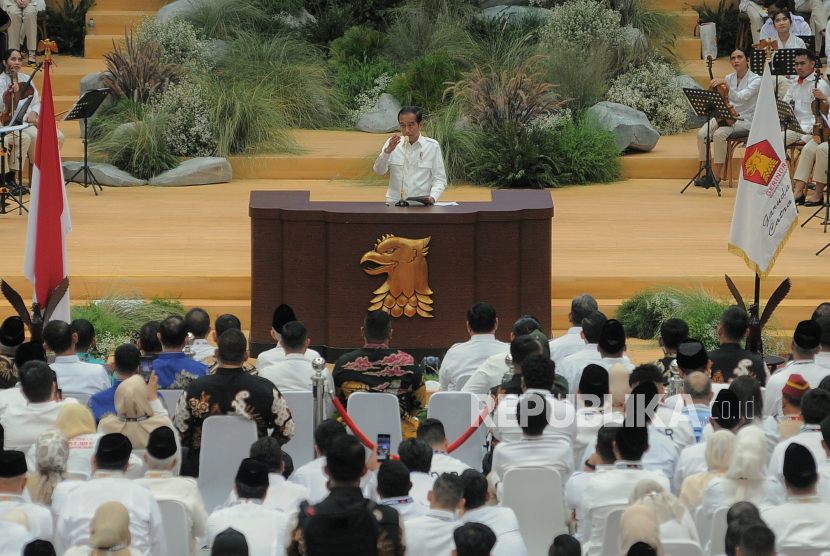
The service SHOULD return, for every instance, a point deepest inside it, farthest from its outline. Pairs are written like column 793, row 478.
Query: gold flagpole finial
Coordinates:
column 48, row 47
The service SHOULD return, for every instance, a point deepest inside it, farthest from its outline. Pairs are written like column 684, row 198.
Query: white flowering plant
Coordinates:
column 179, row 42
column 651, row 88
column 581, row 23
column 366, row 100
column 186, row 112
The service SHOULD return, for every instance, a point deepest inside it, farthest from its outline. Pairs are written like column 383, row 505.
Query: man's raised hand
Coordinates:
column 393, row 142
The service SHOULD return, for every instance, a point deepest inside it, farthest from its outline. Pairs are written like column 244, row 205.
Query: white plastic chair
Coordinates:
column 459, row 384
column 535, row 494
column 174, row 525
column 682, row 548
column 301, row 446
column 226, row 441
column 611, row 540
column 802, row 551
column 376, row 413
column 718, row 532
column 82, row 399
column 458, row 411
column 170, row 398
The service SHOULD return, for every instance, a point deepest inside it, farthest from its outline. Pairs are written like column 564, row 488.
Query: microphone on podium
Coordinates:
column 402, row 202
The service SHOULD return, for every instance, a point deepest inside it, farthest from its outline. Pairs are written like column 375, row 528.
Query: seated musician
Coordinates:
column 800, row 97
column 783, row 22
column 799, row 26
column 742, row 86
column 12, row 78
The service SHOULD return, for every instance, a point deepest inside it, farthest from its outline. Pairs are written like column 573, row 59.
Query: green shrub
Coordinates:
column 581, row 23
column 137, row 71
column 358, row 46
column 117, row 318
column 584, row 151
column 178, row 41
column 188, row 129
column 457, row 144
column 424, row 34
column 661, row 27
column 275, row 7
column 332, row 22
column 425, row 81
column 111, row 116
column 67, row 25
column 367, row 99
column 652, row 89
column 503, row 43
column 355, row 79
column 223, row 19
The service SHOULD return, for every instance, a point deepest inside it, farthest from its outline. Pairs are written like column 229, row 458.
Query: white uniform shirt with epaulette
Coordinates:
column 406, row 506
column 424, row 176
column 431, row 534
column 504, row 523
column 40, row 518
column 566, row 345
column 79, row 376
column 800, row 523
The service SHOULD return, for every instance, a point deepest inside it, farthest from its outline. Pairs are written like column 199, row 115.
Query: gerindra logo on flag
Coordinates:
column 762, row 166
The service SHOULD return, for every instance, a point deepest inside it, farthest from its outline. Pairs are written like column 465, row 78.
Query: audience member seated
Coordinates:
column 27, row 351
column 197, row 322
column 12, row 482
column 464, row 358
column 264, row 528
column 295, row 372
column 377, row 368
column 672, row 333
column 593, row 329
column 345, row 517
column 161, row 458
column 473, row 539
column 230, row 391
column 12, row 334
column 230, row 542
column 718, row 454
column 669, row 420
column 536, row 375
column 139, row 411
column 86, row 341
column 52, row 449
column 565, row 545
column 603, row 460
column 593, row 409
column 74, row 375
column 148, row 338
column 725, row 416
column 750, row 395
column 500, row 519
column 432, row 533
column 610, row 489
column 662, row 454
column 815, row 408
column 282, row 495
column 802, row 521
column 393, row 489
column 740, row 517
column 282, row 316
column 676, row 524
column 109, row 534
column 127, row 361
column 521, row 347
column 39, row 548
column 312, row 475
column 108, row 484
column 432, row 432
column 823, row 356
column 222, row 324
column 571, row 342
column 13, row 538
column 173, row 368
column 417, row 456
column 791, row 419
column 640, row 525
column 730, row 360
column 805, row 345
column 23, row 423
column 758, row 540
column 491, row 373
column 697, row 392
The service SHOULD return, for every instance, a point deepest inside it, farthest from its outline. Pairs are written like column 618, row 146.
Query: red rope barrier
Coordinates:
column 469, row 432
column 349, row 423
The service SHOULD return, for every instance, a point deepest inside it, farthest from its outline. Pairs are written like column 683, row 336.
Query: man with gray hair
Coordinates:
column 433, row 533
column 697, row 394
column 563, row 346
column 162, row 456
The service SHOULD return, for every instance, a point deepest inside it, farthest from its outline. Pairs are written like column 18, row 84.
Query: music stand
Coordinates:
column 810, row 44
column 18, row 200
column 757, row 60
column 711, row 104
column 783, row 63
column 84, row 109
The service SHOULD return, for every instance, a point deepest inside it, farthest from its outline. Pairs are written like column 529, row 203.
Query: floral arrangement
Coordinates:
column 651, row 88
column 581, row 23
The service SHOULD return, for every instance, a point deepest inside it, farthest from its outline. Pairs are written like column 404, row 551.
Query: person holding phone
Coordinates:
column 126, row 363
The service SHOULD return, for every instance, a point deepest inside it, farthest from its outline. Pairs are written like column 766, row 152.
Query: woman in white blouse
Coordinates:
column 783, row 23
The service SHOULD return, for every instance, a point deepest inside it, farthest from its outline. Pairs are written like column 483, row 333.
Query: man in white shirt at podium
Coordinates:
column 414, row 162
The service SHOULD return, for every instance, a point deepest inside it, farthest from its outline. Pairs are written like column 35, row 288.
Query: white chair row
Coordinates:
column 535, row 495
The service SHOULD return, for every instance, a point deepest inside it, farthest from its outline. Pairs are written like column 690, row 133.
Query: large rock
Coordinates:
column 106, row 174
column 687, row 82
column 630, row 127
column 179, row 7
column 196, row 171
column 90, row 82
column 218, row 48
column 513, row 12
column 636, row 38
column 383, row 117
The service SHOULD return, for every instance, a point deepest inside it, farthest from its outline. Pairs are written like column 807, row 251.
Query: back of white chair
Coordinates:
column 82, row 399
column 535, row 495
column 682, row 548
column 174, row 524
column 802, row 551
column 462, row 381
column 611, row 540
column 458, row 411
column 171, row 398
column 226, row 441
column 301, row 446
column 718, row 533
column 376, row 413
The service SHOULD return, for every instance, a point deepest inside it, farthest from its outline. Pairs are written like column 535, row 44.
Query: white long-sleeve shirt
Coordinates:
column 744, row 95
column 165, row 487
column 425, row 173
column 800, row 26
column 464, row 358
column 801, row 94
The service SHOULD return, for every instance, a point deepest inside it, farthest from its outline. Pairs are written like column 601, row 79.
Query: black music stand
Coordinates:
column 710, row 104
column 783, row 63
column 84, row 109
column 757, row 60
column 5, row 192
column 788, row 121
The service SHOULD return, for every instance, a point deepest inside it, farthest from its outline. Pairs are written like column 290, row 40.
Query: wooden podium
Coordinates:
column 322, row 259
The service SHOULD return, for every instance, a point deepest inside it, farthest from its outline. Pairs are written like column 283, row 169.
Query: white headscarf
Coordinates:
column 745, row 479
column 665, row 504
column 718, row 455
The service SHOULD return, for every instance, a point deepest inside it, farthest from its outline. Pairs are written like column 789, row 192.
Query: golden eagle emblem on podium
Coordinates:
column 406, row 290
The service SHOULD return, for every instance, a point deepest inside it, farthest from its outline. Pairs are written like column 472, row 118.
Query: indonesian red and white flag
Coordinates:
column 765, row 213
column 45, row 261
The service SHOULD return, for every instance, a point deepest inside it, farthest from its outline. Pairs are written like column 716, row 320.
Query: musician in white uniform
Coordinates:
column 420, row 172
column 742, row 87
